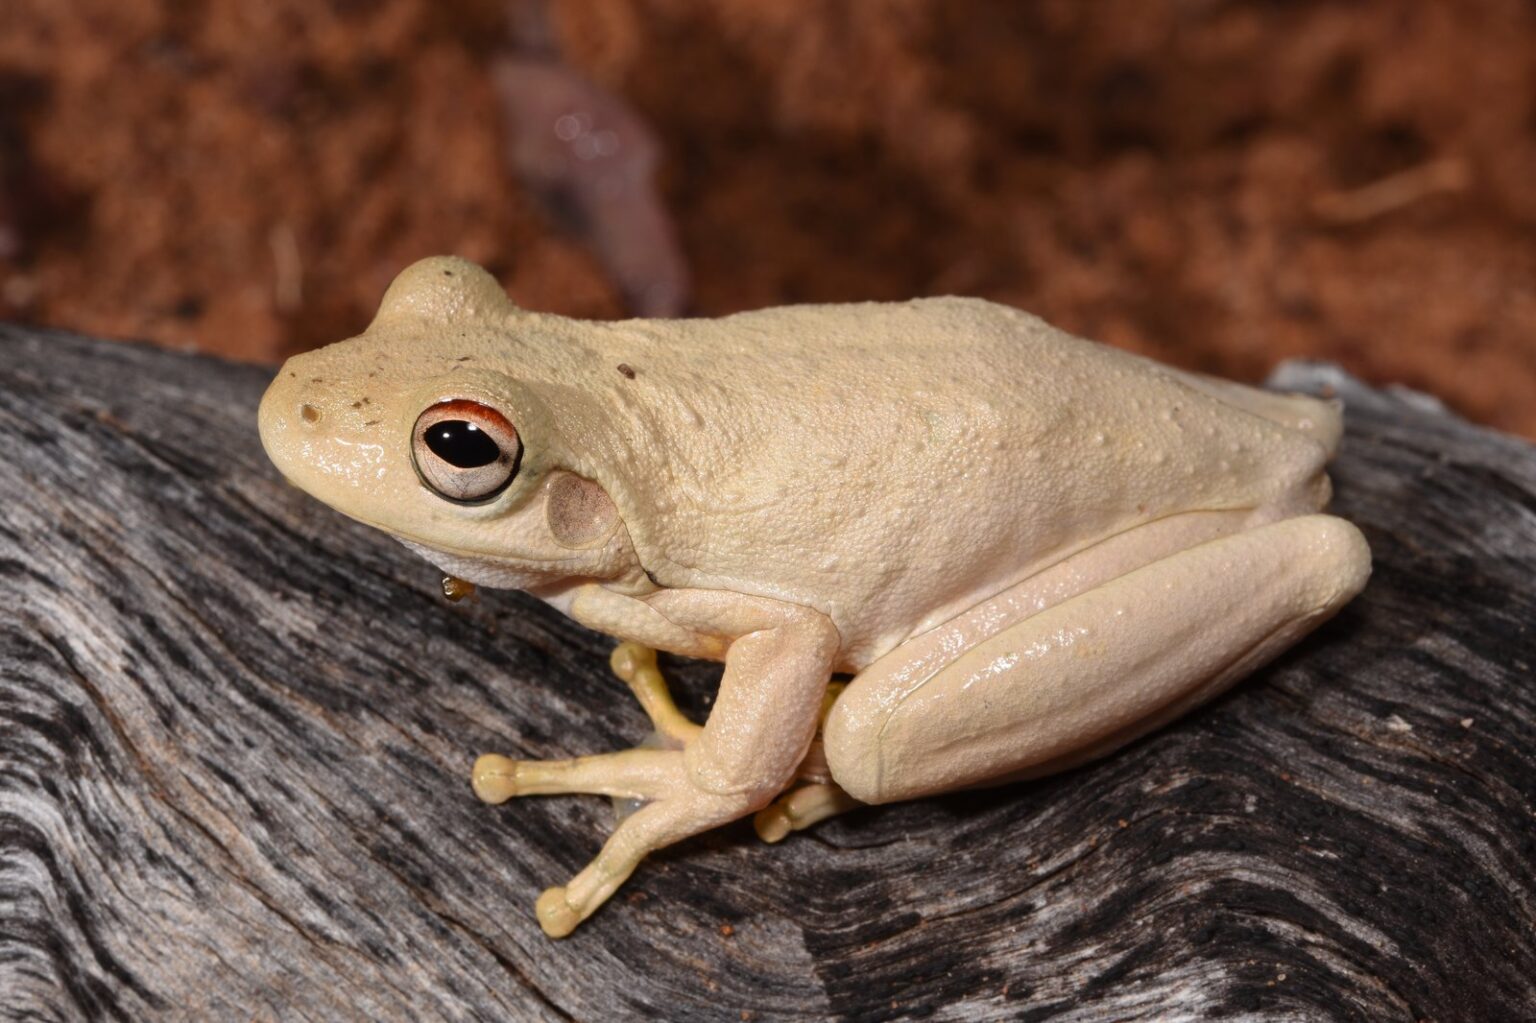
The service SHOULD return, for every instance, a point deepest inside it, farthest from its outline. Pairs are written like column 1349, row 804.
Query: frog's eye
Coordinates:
column 465, row 451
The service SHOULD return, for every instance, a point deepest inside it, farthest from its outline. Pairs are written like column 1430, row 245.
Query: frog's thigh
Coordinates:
column 1096, row 669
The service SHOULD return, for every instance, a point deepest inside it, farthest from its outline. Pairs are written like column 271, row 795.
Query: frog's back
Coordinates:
column 884, row 462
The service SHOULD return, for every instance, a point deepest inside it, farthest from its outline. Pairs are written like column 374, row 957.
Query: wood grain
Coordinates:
column 235, row 735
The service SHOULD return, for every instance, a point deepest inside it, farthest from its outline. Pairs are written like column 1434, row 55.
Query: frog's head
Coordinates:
column 416, row 428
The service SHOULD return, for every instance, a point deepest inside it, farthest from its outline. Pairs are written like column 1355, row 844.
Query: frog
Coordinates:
column 937, row 545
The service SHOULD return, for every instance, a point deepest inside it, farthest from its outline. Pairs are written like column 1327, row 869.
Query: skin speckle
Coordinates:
column 1080, row 447
column 372, row 422
column 309, row 413
column 465, row 358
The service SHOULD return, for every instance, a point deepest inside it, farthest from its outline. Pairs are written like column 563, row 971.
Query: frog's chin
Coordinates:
column 489, row 572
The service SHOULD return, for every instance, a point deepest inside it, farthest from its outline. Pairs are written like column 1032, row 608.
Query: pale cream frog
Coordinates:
column 1027, row 549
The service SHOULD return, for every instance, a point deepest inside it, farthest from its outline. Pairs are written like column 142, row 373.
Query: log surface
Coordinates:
column 236, row 730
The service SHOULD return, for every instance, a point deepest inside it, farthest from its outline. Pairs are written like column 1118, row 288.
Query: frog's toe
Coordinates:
column 556, row 916
column 798, row 810
column 494, row 778
column 687, row 811
column 636, row 665
column 643, row 774
column 772, row 823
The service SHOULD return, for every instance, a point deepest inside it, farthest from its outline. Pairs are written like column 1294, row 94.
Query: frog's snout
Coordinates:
column 281, row 407
column 289, row 415
column 301, row 395
column 326, row 428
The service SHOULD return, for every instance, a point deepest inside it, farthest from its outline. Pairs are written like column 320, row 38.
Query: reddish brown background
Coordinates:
column 1218, row 184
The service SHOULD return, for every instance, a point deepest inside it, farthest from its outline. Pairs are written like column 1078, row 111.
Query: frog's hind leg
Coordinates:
column 1124, row 643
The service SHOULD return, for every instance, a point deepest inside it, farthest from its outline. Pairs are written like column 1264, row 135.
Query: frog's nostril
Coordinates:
column 309, row 413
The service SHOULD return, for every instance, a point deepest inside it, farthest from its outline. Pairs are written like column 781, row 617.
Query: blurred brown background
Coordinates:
column 1220, row 185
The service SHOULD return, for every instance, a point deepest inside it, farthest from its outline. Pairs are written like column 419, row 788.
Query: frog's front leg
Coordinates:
column 1133, row 633
column 778, row 658
column 623, row 775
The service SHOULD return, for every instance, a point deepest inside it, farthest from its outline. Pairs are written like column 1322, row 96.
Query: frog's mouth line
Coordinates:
column 426, row 550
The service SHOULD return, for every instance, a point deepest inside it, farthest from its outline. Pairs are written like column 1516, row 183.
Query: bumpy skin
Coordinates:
column 846, row 487
column 886, row 464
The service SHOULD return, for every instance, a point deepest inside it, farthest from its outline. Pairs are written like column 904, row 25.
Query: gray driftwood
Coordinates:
column 235, row 735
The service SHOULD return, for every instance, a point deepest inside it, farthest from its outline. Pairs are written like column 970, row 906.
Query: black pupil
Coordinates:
column 462, row 444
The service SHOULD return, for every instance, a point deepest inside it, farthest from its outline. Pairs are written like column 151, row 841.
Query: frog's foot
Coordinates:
column 671, row 806
column 627, row 776
column 799, row 809
column 687, row 811
column 636, row 665
column 674, row 808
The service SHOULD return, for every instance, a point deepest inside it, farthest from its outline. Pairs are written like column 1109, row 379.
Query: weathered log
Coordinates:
column 236, row 730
